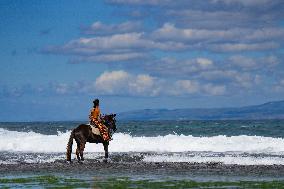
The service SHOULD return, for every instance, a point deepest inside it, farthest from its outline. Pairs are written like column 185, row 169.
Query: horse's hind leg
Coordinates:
column 82, row 147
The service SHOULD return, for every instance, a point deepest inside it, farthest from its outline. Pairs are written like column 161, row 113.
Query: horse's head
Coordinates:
column 109, row 121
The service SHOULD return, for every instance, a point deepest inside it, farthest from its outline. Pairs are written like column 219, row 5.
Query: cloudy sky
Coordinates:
column 57, row 56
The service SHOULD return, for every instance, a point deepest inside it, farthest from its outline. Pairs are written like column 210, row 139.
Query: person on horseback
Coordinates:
column 95, row 119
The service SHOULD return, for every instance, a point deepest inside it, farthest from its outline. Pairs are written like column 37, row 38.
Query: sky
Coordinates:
column 57, row 56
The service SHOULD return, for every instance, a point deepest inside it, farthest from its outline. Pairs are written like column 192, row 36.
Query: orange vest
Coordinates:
column 95, row 113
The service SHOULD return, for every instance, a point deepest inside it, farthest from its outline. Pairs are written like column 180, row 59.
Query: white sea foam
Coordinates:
column 14, row 141
column 181, row 143
column 238, row 159
column 31, row 147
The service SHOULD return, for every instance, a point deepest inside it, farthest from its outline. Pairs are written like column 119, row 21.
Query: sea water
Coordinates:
column 247, row 142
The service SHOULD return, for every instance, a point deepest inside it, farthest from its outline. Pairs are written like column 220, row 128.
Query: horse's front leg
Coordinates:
column 78, row 150
column 106, row 151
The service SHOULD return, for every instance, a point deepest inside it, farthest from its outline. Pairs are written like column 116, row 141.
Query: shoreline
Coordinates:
column 133, row 169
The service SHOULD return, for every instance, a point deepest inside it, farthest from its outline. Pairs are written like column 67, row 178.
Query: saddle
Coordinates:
column 95, row 130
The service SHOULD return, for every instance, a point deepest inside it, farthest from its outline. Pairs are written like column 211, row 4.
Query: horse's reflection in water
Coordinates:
column 83, row 133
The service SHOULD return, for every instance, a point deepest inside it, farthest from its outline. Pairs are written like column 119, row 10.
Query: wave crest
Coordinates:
column 14, row 141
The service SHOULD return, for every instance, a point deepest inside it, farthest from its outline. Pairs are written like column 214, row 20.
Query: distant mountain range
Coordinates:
column 270, row 110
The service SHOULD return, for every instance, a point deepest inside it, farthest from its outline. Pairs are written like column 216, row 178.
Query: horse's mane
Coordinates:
column 109, row 117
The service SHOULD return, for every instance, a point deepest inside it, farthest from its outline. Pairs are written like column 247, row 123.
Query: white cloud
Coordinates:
column 62, row 88
column 143, row 83
column 173, row 67
column 279, row 86
column 129, row 46
column 204, row 63
column 248, row 63
column 247, row 80
column 140, row 2
column 123, row 83
column 243, row 61
column 170, row 32
column 115, row 47
column 112, row 82
column 246, row 2
column 186, row 87
column 265, row 34
column 118, row 43
column 237, row 79
column 218, row 75
column 187, row 3
column 115, row 57
column 99, row 28
column 222, row 18
column 271, row 60
column 214, row 89
column 238, row 47
column 238, row 72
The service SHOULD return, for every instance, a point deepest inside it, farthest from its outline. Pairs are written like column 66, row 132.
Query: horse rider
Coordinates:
column 95, row 119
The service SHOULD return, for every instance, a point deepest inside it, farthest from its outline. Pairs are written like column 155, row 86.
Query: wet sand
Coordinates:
column 145, row 168
column 97, row 174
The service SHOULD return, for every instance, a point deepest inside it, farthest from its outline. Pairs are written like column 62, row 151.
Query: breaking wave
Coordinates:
column 14, row 141
column 32, row 147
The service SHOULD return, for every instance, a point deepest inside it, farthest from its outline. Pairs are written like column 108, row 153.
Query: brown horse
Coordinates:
column 83, row 133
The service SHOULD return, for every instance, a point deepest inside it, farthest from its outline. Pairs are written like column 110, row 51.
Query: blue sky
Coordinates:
column 56, row 56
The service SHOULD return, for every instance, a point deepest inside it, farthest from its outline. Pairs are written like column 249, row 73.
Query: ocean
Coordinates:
column 244, row 144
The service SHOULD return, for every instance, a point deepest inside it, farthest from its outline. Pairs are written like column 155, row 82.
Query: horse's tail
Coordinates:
column 69, row 146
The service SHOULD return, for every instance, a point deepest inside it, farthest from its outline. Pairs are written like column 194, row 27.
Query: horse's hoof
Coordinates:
column 69, row 162
column 80, row 162
column 105, row 160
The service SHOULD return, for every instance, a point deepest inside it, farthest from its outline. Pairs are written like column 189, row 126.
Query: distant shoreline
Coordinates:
column 267, row 111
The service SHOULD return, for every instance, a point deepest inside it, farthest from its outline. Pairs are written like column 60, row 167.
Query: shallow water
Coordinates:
column 49, row 181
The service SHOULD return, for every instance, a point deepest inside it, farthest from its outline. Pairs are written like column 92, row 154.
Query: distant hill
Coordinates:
column 270, row 110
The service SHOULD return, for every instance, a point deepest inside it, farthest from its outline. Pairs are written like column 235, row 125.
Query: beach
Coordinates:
column 149, row 175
